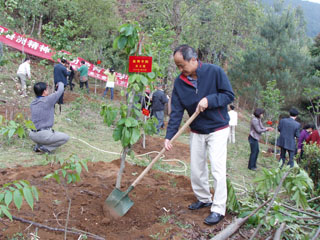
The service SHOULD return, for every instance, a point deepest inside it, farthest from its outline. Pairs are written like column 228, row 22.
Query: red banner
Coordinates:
column 39, row 49
column 140, row 64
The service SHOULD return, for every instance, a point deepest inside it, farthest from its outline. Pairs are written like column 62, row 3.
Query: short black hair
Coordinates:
column 83, row 62
column 111, row 69
column 309, row 125
column 186, row 51
column 293, row 112
column 63, row 60
column 26, row 59
column 39, row 88
column 258, row 111
column 231, row 107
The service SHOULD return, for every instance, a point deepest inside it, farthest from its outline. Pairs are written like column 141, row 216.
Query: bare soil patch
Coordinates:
column 158, row 194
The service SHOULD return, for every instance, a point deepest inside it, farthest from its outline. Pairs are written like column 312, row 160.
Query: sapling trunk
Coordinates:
column 127, row 148
column 122, row 166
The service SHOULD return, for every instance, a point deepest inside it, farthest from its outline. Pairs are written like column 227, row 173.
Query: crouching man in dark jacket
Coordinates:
column 204, row 88
column 42, row 116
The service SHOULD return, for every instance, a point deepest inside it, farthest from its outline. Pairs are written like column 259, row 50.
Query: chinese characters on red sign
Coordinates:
column 39, row 49
column 140, row 64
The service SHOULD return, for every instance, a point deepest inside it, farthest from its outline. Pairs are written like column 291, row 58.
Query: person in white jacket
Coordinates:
column 24, row 72
column 232, row 123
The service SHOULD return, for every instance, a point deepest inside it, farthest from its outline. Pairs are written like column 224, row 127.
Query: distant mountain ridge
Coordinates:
column 311, row 12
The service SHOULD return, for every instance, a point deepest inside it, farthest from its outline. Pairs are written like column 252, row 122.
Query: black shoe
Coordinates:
column 253, row 169
column 44, row 149
column 198, row 205
column 36, row 148
column 213, row 218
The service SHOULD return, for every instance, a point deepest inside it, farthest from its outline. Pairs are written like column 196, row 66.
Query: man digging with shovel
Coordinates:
column 205, row 88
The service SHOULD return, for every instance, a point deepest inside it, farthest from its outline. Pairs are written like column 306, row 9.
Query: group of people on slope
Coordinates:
column 62, row 72
column 290, row 135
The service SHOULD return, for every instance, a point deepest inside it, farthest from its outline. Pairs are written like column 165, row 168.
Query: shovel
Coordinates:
column 119, row 202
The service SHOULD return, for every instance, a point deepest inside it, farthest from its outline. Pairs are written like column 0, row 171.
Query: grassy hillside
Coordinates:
column 80, row 119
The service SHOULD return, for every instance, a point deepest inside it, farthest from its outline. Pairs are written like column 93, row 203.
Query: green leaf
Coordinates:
column 125, row 137
column 122, row 42
column 117, row 133
column 122, row 121
column 18, row 186
column 144, row 80
column 69, row 178
column 35, row 193
column 1, row 197
column 64, row 173
column 28, row 196
column 135, row 136
column 151, row 75
column 129, row 30
column 11, row 133
column 20, row 131
column 78, row 168
column 8, row 198
column 128, row 122
column 17, row 198
column 6, row 212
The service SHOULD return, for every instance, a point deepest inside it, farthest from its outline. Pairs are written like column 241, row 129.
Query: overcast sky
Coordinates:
column 315, row 1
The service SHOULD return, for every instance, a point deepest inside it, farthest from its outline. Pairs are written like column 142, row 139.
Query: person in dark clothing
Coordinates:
column 60, row 74
column 70, row 77
column 159, row 99
column 206, row 89
column 289, row 130
column 256, row 129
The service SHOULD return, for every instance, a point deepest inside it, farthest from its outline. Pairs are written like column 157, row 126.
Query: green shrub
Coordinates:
column 311, row 163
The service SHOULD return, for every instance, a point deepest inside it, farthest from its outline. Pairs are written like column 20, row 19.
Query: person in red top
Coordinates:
column 314, row 137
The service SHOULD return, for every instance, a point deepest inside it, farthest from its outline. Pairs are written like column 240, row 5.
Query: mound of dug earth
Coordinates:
column 159, row 210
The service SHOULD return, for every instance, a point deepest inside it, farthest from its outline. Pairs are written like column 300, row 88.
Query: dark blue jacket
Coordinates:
column 289, row 131
column 213, row 84
column 60, row 74
column 159, row 99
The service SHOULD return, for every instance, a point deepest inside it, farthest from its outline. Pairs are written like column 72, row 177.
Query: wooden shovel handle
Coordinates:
column 181, row 130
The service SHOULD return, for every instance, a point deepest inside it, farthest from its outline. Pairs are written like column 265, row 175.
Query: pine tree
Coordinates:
column 278, row 53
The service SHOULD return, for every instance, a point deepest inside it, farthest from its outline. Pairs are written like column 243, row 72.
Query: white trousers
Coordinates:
column 213, row 145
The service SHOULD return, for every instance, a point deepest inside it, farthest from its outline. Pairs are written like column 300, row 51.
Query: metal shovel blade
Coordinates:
column 119, row 202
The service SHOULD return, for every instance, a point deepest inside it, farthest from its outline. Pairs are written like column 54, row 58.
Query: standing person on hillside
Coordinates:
column 289, row 130
column 256, row 129
column 233, row 115
column 203, row 88
column 159, row 99
column 60, row 74
column 83, row 75
column 110, row 83
column 71, row 76
column 304, row 134
column 42, row 115
column 22, row 73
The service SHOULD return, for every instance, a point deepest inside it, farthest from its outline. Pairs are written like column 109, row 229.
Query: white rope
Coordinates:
column 98, row 149
column 141, row 155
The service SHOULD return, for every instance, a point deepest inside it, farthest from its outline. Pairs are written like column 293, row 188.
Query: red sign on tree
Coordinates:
column 140, row 64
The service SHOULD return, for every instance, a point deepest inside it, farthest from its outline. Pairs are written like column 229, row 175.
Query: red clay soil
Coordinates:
column 158, row 194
